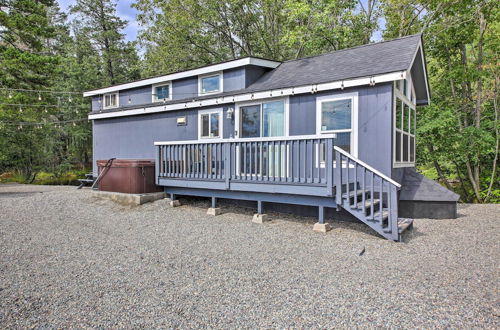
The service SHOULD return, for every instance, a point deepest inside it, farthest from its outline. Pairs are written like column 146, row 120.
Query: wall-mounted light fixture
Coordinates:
column 181, row 121
column 230, row 113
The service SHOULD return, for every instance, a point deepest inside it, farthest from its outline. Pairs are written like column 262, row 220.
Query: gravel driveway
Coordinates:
column 70, row 260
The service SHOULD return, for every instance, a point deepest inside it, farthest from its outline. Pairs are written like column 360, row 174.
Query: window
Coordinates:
column 161, row 92
column 210, row 84
column 210, row 124
column 404, row 133
column 263, row 120
column 110, row 100
column 336, row 115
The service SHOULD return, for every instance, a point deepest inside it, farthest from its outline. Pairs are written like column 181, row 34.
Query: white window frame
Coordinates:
column 237, row 117
column 401, row 95
column 154, row 97
column 220, row 112
column 221, row 83
column 353, row 96
column 111, row 106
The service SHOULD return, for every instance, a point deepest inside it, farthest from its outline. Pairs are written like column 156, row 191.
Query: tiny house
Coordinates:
column 336, row 132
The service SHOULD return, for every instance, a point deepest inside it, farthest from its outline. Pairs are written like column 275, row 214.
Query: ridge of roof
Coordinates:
column 352, row 48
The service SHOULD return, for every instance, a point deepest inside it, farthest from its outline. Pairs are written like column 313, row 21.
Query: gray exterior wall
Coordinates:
column 133, row 137
column 185, row 88
column 233, row 79
column 374, row 122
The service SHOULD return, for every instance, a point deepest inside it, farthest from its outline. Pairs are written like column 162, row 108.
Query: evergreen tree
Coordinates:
column 26, row 62
column 98, row 26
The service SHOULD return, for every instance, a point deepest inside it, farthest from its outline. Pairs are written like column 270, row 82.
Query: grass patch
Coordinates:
column 46, row 178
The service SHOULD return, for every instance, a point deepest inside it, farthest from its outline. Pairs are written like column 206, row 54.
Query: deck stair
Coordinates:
column 89, row 180
column 369, row 195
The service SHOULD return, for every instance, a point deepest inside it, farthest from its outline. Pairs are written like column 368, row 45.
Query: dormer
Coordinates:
column 190, row 84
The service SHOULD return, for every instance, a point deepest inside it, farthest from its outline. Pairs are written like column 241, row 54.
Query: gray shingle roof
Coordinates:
column 372, row 59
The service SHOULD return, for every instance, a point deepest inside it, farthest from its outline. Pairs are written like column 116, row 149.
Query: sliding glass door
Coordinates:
column 262, row 120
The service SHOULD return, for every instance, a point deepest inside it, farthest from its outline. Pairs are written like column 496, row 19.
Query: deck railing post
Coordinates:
column 338, row 178
column 329, row 167
column 157, row 164
column 393, row 211
column 227, row 163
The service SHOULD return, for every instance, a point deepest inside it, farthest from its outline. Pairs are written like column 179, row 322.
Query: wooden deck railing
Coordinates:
column 294, row 160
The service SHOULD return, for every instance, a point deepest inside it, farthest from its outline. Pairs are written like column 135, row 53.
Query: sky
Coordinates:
column 124, row 11
column 127, row 13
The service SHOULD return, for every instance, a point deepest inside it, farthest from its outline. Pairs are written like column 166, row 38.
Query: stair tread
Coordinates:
column 385, row 215
column 368, row 203
column 351, row 193
column 403, row 224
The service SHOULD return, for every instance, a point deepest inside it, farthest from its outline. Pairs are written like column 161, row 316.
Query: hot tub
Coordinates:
column 131, row 176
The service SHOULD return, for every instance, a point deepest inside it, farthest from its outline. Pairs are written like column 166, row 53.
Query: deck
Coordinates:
column 293, row 170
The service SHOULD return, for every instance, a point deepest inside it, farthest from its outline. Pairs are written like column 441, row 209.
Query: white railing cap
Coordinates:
column 360, row 162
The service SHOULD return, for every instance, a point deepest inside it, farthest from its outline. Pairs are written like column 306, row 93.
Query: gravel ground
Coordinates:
column 70, row 260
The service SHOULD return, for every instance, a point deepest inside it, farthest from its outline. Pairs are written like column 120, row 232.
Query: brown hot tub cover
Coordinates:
column 131, row 176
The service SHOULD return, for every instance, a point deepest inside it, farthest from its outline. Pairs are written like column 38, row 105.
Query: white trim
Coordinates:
column 419, row 47
column 274, row 138
column 339, row 84
column 360, row 162
column 221, row 83
column 220, row 112
column 398, row 164
column 188, row 73
column 112, row 106
column 237, row 115
column 154, row 97
column 353, row 96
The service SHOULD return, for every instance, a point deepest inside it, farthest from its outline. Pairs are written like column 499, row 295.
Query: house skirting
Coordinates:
column 427, row 209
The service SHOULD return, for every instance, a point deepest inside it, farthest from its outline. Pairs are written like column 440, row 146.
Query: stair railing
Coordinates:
column 353, row 177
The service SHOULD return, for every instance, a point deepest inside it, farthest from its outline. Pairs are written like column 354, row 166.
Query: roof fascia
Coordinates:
column 421, row 48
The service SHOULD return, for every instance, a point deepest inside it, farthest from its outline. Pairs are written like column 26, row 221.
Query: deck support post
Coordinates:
column 321, row 226
column 214, row 210
column 259, row 217
column 173, row 202
column 259, row 207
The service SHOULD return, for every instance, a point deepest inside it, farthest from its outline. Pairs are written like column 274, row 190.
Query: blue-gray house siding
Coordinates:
column 133, row 136
column 233, row 79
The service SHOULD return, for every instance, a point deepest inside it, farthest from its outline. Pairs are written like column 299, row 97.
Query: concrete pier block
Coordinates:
column 322, row 227
column 260, row 218
column 173, row 203
column 214, row 211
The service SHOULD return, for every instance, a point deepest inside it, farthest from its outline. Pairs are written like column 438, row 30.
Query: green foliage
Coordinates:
column 40, row 50
column 180, row 34
column 458, row 133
